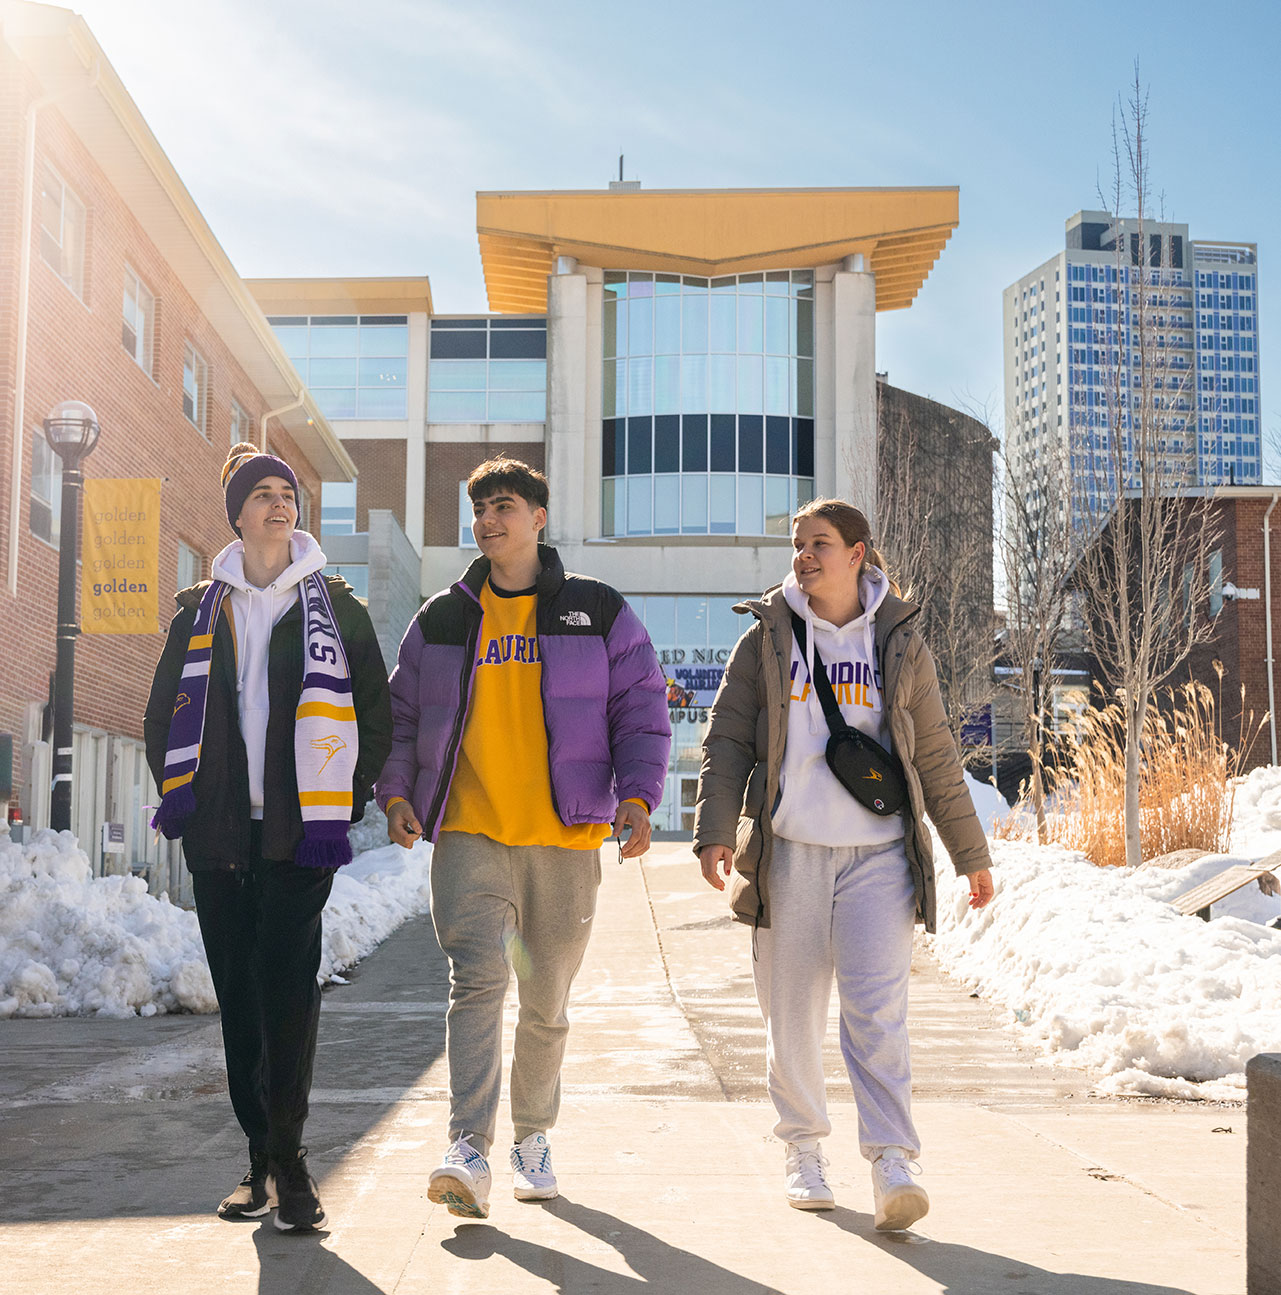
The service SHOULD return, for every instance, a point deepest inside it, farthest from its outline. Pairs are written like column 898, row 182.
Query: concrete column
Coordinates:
column 566, row 402
column 1263, row 1175
column 416, row 433
column 854, row 384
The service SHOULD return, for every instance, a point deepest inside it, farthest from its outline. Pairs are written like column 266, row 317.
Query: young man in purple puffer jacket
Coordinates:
column 529, row 722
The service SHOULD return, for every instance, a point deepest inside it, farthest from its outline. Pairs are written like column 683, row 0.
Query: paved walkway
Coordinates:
column 116, row 1142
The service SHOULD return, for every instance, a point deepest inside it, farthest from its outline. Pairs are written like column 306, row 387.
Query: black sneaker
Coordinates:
column 253, row 1198
column 299, row 1207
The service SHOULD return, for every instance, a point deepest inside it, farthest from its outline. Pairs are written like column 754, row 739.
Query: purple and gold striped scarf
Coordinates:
column 325, row 733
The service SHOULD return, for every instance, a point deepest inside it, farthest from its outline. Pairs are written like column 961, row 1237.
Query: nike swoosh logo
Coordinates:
column 583, row 920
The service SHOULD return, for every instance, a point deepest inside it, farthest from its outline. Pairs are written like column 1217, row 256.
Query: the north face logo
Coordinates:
column 575, row 618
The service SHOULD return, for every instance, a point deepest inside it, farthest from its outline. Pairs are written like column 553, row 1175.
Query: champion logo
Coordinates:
column 333, row 744
column 575, row 618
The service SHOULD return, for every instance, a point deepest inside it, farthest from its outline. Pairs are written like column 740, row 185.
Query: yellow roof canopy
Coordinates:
column 711, row 232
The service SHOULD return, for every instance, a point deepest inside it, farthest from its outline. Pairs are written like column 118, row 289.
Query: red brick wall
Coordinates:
column 448, row 463
column 75, row 351
column 1239, row 639
column 381, row 483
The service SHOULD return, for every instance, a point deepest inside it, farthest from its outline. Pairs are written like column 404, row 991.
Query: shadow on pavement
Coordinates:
column 963, row 1270
column 173, row 1147
column 655, row 1265
column 289, row 1264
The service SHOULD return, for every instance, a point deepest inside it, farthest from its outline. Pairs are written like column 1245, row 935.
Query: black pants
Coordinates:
column 261, row 930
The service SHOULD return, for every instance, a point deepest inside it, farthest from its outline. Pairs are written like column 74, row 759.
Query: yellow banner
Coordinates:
column 120, row 556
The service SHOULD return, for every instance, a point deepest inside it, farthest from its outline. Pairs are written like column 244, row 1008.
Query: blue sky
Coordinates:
column 329, row 138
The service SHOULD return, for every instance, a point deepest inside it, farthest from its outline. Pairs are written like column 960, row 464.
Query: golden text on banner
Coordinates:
column 120, row 556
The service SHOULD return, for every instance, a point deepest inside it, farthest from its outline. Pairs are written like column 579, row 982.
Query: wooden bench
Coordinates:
column 1199, row 898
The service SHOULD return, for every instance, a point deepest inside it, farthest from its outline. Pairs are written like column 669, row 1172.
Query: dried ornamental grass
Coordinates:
column 1185, row 781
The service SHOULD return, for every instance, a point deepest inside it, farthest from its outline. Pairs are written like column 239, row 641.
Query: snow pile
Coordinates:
column 989, row 804
column 72, row 944
column 1256, row 813
column 1101, row 973
column 371, row 897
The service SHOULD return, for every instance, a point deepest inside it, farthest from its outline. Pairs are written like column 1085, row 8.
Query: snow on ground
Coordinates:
column 75, row 944
column 1094, row 966
column 1101, row 973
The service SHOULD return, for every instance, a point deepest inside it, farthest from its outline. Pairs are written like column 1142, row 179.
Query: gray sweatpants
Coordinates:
column 499, row 908
column 849, row 911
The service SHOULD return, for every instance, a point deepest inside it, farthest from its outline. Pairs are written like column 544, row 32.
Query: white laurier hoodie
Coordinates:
column 812, row 806
column 256, row 612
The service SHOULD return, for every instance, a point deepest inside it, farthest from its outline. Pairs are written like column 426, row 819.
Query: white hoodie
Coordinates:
column 812, row 806
column 255, row 613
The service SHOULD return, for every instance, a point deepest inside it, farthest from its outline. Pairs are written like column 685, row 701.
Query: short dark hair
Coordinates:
column 496, row 476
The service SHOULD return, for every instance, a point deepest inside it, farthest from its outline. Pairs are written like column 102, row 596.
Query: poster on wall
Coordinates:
column 120, row 556
column 692, row 687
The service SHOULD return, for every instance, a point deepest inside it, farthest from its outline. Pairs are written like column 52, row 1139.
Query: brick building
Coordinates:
column 1243, row 596
column 114, row 291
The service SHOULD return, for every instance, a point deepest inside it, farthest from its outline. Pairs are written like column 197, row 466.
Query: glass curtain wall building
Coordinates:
column 707, row 402
column 486, row 370
column 355, row 365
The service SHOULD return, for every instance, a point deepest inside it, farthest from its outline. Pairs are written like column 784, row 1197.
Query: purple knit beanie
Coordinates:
column 245, row 468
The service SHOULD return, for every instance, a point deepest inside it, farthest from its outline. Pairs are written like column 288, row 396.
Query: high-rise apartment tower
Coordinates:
column 1075, row 334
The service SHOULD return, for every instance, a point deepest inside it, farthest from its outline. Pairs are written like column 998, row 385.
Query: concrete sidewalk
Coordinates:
column 116, row 1142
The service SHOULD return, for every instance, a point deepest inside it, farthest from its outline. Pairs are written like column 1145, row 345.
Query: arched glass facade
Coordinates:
column 707, row 402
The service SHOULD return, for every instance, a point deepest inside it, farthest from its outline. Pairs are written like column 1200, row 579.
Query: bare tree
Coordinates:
column 1143, row 572
column 934, row 488
column 1039, row 549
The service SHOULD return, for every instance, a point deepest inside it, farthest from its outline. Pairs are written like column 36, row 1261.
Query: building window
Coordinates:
column 242, row 426
column 466, row 540
column 356, row 365
column 191, row 566
column 338, row 508
column 195, row 386
column 46, row 490
column 355, row 574
column 488, row 370
column 707, row 402
column 137, row 323
column 62, row 230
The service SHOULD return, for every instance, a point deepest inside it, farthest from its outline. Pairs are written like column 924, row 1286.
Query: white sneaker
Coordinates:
column 899, row 1200
column 462, row 1181
column 532, row 1176
column 806, row 1184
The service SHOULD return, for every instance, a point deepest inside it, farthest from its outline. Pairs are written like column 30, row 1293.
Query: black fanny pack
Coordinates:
column 870, row 773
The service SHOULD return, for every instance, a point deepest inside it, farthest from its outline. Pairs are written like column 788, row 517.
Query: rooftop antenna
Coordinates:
column 620, row 168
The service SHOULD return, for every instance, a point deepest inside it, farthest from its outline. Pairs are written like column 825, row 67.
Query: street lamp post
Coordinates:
column 72, row 432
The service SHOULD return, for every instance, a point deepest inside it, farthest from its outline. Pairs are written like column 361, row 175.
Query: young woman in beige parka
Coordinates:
column 829, row 887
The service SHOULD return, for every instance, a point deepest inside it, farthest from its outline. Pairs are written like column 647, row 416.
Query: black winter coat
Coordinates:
column 217, row 833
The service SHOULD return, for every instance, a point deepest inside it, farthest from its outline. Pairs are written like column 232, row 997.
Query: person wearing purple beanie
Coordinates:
column 269, row 720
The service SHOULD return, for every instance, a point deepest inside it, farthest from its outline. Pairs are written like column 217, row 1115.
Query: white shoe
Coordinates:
column 899, row 1200
column 806, row 1184
column 462, row 1181
column 532, row 1176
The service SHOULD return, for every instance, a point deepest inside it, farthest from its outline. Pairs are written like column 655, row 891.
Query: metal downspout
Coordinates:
column 275, row 413
column 1267, row 613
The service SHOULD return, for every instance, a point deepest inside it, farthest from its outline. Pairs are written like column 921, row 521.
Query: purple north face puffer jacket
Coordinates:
column 604, row 698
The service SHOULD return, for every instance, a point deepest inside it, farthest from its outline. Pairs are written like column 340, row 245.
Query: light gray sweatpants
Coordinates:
column 497, row 908
column 848, row 910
